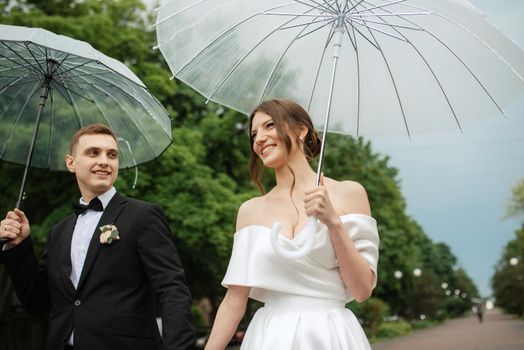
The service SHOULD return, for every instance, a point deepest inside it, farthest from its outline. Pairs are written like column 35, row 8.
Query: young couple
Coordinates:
column 106, row 266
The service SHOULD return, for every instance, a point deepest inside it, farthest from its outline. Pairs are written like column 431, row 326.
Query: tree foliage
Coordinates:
column 515, row 206
column 508, row 281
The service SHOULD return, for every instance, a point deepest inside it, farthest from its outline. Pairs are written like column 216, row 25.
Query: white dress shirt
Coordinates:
column 82, row 234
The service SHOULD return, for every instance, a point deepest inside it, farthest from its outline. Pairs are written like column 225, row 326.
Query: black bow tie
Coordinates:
column 95, row 205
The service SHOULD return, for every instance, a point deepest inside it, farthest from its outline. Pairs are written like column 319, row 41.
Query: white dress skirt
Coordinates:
column 304, row 299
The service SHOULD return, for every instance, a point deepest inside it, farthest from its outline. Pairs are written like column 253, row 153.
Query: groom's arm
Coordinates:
column 162, row 263
column 28, row 276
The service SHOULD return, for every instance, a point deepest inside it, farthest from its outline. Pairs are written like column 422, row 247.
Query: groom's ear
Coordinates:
column 70, row 163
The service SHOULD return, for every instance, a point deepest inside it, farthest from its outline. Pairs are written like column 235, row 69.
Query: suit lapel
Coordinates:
column 111, row 213
column 65, row 263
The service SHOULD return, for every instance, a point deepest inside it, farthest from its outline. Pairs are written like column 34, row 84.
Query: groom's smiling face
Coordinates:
column 94, row 160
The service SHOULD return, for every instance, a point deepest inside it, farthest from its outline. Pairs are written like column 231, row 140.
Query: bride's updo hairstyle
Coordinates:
column 288, row 117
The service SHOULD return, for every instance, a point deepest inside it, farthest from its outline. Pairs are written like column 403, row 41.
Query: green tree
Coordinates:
column 516, row 205
column 508, row 280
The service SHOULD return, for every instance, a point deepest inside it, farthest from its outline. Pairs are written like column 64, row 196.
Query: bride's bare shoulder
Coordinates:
column 351, row 195
column 248, row 212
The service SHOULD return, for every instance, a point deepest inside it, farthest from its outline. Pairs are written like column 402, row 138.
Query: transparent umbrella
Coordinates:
column 359, row 67
column 77, row 85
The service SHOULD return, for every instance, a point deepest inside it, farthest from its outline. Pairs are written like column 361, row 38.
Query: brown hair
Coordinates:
column 90, row 129
column 288, row 117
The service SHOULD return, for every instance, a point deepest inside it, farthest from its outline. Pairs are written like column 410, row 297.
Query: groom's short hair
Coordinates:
column 91, row 129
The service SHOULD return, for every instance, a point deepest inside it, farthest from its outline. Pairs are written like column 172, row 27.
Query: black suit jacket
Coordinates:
column 113, row 306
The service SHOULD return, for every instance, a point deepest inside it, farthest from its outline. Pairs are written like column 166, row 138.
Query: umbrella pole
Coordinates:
column 312, row 221
column 337, row 38
column 46, row 86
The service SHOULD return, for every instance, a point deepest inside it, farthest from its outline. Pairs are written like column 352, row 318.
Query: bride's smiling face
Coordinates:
column 267, row 144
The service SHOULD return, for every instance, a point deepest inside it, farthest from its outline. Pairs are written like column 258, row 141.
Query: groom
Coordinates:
column 105, row 267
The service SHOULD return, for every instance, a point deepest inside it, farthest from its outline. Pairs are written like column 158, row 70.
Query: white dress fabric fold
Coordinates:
column 304, row 299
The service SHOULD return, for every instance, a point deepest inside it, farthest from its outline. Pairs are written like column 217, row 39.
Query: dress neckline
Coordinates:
column 303, row 229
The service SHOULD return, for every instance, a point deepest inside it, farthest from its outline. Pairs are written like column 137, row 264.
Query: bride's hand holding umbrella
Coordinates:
column 318, row 204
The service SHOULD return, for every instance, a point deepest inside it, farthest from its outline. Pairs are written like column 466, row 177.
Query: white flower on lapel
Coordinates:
column 109, row 234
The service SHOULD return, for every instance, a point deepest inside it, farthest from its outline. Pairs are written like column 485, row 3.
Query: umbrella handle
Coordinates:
column 302, row 251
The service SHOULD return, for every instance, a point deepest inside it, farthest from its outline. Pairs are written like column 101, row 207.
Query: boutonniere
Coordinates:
column 109, row 234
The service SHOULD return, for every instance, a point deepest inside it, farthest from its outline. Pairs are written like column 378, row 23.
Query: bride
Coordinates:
column 304, row 299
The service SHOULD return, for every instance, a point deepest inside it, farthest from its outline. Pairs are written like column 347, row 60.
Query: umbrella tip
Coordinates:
column 172, row 77
column 156, row 47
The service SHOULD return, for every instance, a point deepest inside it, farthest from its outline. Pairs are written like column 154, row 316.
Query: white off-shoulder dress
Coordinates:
column 304, row 299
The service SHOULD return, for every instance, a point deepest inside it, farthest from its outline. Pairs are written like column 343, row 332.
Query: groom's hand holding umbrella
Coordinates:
column 15, row 228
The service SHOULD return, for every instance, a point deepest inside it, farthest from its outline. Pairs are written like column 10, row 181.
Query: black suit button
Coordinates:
column 77, row 302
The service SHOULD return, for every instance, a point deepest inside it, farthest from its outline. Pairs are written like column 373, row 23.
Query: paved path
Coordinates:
column 497, row 332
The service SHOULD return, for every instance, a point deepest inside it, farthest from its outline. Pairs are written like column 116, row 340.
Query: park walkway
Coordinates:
column 497, row 332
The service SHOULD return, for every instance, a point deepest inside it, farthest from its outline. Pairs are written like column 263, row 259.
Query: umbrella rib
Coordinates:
column 386, row 24
column 193, row 23
column 61, row 82
column 318, row 28
column 124, row 109
column 436, row 79
column 138, row 82
column 328, row 20
column 474, row 36
column 59, row 65
column 394, row 83
column 22, row 58
column 319, row 5
column 330, row 36
column 10, row 84
column 75, row 108
column 13, row 100
column 462, row 62
column 76, row 67
column 352, row 6
column 52, row 117
column 362, row 35
column 206, row 46
column 43, row 70
column 79, row 86
column 16, row 67
column 88, row 74
column 125, row 92
column 232, row 69
column 375, row 6
column 14, row 125
column 179, row 12
column 365, row 24
column 357, row 62
column 278, row 63
column 66, row 96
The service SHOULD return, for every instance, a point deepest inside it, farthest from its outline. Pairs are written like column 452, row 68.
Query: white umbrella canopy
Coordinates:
column 359, row 67
column 404, row 67
column 51, row 85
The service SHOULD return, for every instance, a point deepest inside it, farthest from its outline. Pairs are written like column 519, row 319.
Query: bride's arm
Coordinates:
column 228, row 317
column 354, row 269
column 233, row 306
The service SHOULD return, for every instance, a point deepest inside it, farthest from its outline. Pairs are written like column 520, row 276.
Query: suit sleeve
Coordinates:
column 28, row 276
column 162, row 264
